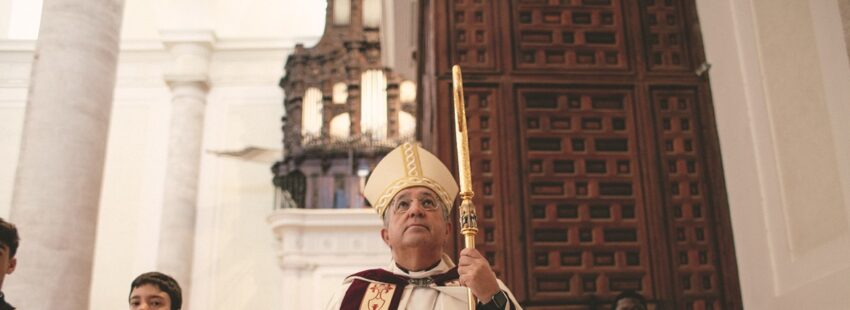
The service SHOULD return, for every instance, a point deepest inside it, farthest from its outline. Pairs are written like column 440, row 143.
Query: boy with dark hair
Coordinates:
column 155, row 291
column 629, row 300
column 9, row 241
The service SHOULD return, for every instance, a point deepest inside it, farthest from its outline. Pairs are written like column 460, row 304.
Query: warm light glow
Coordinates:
column 311, row 112
column 371, row 13
column 340, row 95
column 342, row 12
column 373, row 101
column 406, row 124
column 407, row 91
column 24, row 19
column 341, row 126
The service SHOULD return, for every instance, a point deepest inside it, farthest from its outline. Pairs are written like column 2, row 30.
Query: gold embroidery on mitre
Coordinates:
column 407, row 166
column 410, row 158
column 378, row 296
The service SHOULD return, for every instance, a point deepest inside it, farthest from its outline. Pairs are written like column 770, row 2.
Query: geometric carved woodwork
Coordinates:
column 594, row 154
column 694, row 248
column 480, row 109
column 473, row 34
column 664, row 24
column 569, row 35
column 583, row 200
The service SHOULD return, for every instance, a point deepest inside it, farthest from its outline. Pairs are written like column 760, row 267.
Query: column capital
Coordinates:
column 201, row 37
column 191, row 50
column 180, row 84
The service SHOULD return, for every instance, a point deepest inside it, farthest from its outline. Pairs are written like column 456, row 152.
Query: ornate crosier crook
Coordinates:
column 468, row 219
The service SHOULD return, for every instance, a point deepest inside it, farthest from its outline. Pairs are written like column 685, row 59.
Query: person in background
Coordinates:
column 9, row 241
column 155, row 291
column 629, row 300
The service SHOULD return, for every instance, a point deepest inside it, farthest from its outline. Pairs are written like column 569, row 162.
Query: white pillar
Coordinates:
column 60, row 168
column 188, row 81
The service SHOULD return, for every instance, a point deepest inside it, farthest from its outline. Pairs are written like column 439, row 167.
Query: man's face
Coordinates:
column 149, row 297
column 415, row 220
column 629, row 304
column 7, row 264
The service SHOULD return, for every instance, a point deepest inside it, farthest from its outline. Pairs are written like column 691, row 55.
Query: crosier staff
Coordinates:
column 468, row 219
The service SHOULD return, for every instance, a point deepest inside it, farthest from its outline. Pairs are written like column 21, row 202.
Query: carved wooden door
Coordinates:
column 594, row 150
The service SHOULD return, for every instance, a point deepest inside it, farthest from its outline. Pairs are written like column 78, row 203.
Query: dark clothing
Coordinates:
column 3, row 304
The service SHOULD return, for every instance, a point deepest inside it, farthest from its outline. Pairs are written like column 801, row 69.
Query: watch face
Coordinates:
column 501, row 299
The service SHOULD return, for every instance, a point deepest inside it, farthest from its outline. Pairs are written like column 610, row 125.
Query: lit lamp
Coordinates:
column 373, row 98
column 407, row 91
column 340, row 93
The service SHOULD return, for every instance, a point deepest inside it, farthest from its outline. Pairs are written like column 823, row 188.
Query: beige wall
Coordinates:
column 11, row 122
column 5, row 10
column 128, row 222
column 235, row 265
column 19, row 18
column 235, row 262
column 779, row 82
column 247, row 19
column 15, row 70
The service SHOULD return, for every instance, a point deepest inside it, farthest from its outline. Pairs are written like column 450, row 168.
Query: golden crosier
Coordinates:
column 468, row 219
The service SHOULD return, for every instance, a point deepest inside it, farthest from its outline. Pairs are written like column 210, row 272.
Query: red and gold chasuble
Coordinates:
column 379, row 289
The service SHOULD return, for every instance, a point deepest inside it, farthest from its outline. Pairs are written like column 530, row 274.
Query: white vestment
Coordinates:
column 432, row 297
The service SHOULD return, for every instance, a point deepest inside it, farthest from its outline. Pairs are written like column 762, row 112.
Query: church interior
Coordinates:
column 696, row 152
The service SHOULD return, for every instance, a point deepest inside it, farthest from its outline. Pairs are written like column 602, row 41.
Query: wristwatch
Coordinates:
column 498, row 302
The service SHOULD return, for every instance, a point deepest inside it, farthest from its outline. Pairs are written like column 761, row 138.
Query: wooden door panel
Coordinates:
column 594, row 153
column 483, row 124
column 585, row 229
column 665, row 36
column 473, row 36
column 570, row 35
column 686, row 197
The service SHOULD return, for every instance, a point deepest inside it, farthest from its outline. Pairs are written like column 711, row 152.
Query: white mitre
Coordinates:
column 408, row 166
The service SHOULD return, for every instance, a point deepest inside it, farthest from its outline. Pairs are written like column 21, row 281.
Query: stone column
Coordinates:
column 844, row 8
column 188, row 81
column 60, row 169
